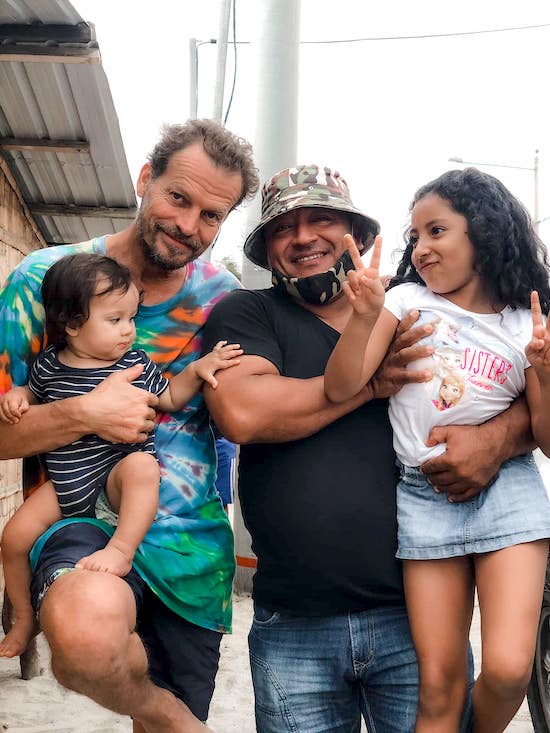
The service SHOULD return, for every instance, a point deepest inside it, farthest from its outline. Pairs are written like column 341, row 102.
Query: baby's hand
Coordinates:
column 222, row 356
column 364, row 288
column 13, row 405
column 537, row 350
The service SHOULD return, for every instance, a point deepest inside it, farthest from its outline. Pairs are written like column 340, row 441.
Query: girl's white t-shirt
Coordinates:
column 478, row 368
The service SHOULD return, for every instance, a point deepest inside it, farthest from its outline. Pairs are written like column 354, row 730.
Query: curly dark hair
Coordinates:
column 69, row 285
column 508, row 255
column 226, row 150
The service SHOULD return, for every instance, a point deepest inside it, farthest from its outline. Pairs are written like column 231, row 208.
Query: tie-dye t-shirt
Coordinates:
column 187, row 556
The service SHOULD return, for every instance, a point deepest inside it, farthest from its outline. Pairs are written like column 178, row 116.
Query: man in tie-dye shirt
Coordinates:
column 178, row 597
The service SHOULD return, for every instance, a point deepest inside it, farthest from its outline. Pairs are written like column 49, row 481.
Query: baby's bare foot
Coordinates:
column 108, row 560
column 18, row 637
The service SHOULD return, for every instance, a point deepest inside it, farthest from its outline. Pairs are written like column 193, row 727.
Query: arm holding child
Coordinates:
column 473, row 454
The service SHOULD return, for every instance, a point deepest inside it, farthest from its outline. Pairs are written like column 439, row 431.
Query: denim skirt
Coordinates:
column 513, row 509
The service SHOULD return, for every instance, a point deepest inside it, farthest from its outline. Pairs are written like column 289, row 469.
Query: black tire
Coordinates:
column 538, row 692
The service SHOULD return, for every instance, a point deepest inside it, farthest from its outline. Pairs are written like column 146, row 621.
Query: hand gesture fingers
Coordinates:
column 537, row 350
column 364, row 289
column 376, row 256
column 536, row 315
column 354, row 253
column 353, row 282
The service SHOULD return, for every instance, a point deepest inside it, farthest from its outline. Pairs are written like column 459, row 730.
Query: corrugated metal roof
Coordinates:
column 59, row 131
column 38, row 11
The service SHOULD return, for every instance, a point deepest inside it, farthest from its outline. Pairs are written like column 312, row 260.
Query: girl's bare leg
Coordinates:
column 133, row 490
column 33, row 518
column 439, row 597
column 510, row 584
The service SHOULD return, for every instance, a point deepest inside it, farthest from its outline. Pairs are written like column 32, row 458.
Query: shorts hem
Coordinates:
column 476, row 547
column 54, row 575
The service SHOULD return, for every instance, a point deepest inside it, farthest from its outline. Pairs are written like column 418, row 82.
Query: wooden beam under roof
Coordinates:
column 94, row 212
column 41, row 55
column 44, row 145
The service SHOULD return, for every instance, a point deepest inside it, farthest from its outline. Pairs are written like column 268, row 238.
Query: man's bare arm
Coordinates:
column 253, row 403
column 115, row 410
column 475, row 454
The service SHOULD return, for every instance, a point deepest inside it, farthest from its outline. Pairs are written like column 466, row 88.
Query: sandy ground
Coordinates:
column 40, row 705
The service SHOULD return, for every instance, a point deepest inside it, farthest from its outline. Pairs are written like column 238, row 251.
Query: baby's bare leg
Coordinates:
column 33, row 518
column 132, row 489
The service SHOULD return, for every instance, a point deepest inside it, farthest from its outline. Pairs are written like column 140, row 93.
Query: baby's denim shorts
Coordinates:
column 513, row 509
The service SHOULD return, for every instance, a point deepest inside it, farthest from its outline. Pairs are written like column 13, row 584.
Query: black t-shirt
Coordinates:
column 320, row 510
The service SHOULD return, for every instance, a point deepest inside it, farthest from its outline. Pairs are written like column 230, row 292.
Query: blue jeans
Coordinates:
column 315, row 675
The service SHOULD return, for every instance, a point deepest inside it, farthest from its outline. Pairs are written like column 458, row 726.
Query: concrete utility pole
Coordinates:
column 221, row 62
column 193, row 78
column 276, row 135
column 275, row 147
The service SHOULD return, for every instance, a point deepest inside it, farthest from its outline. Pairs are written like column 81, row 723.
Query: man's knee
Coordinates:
column 87, row 619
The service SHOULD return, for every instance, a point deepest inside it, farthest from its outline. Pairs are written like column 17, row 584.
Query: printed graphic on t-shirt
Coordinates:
column 462, row 367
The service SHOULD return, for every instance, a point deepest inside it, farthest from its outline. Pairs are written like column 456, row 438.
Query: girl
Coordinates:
column 90, row 304
column 470, row 265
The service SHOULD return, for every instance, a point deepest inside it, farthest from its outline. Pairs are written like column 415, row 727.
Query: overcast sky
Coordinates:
column 387, row 113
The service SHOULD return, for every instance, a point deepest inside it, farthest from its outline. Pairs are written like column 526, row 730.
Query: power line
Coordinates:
column 432, row 35
column 366, row 39
column 414, row 37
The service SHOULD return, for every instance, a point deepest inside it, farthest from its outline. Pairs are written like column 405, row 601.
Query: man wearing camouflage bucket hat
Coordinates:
column 305, row 186
column 330, row 639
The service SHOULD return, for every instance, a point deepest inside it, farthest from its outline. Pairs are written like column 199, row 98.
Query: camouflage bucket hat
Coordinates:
column 305, row 186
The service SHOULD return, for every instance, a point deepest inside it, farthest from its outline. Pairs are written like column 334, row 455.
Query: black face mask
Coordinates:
column 318, row 289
